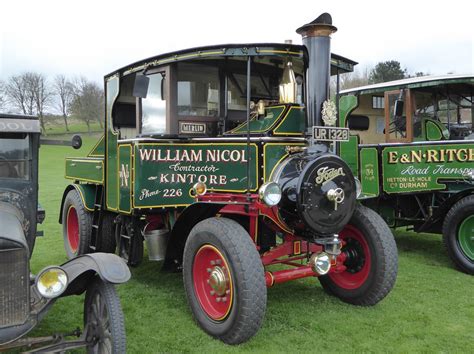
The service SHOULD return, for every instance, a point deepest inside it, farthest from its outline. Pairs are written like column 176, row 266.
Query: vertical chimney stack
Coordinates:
column 317, row 40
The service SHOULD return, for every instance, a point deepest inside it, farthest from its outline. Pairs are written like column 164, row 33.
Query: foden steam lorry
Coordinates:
column 212, row 149
column 412, row 143
column 26, row 298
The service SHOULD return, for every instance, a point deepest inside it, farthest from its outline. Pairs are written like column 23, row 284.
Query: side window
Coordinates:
column 154, row 106
column 15, row 156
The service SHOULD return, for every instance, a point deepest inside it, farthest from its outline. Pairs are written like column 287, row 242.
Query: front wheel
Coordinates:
column 224, row 280
column 370, row 257
column 103, row 319
column 76, row 225
column 458, row 234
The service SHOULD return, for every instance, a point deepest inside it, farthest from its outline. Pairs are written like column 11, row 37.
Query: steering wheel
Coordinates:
column 399, row 125
column 7, row 169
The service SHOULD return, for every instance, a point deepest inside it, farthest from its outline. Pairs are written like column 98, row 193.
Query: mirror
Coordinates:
column 76, row 142
column 398, row 108
column 140, row 86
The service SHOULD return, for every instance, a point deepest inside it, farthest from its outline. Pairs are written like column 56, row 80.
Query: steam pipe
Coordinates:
column 317, row 41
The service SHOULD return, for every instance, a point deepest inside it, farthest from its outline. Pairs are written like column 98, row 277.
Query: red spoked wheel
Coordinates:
column 224, row 280
column 76, row 225
column 357, row 259
column 72, row 224
column 370, row 256
column 213, row 282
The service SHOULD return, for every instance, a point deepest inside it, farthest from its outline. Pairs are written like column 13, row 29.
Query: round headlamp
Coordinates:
column 320, row 263
column 51, row 282
column 358, row 186
column 199, row 188
column 270, row 193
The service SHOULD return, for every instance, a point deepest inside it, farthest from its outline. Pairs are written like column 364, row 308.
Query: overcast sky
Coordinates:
column 93, row 38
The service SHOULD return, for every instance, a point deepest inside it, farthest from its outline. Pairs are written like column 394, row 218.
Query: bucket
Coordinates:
column 156, row 242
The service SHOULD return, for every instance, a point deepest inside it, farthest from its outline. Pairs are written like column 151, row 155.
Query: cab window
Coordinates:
column 15, row 156
column 153, row 107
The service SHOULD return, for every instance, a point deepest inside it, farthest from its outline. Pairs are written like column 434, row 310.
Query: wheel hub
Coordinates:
column 218, row 280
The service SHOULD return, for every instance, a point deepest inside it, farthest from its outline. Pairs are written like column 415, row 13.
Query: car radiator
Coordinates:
column 14, row 286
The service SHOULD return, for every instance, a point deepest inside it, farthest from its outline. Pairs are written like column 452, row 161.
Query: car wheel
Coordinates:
column 224, row 280
column 370, row 257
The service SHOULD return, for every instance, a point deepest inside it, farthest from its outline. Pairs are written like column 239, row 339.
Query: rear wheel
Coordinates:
column 370, row 257
column 76, row 225
column 106, row 242
column 458, row 234
column 103, row 319
column 224, row 280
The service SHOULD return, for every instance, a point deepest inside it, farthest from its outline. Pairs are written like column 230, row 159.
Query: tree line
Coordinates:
column 32, row 93
column 389, row 70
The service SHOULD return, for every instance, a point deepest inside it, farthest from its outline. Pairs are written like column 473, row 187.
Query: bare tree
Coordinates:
column 41, row 93
column 2, row 96
column 19, row 94
column 64, row 89
column 359, row 77
column 87, row 102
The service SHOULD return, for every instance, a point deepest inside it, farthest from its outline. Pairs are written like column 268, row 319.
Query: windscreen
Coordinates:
column 15, row 156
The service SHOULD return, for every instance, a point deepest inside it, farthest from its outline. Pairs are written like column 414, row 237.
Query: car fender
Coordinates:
column 80, row 271
column 87, row 194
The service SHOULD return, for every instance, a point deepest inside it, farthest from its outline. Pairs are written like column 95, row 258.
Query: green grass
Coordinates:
column 431, row 308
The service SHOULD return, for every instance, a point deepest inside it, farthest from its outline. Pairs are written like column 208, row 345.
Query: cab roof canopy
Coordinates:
column 339, row 64
column 427, row 82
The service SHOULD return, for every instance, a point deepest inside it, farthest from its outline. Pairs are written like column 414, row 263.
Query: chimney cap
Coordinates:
column 321, row 26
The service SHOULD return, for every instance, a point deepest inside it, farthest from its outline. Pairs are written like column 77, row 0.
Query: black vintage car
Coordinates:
column 26, row 298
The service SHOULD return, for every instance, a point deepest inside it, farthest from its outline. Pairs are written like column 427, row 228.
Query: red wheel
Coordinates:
column 76, row 225
column 357, row 259
column 369, row 254
column 212, row 282
column 72, row 224
column 224, row 280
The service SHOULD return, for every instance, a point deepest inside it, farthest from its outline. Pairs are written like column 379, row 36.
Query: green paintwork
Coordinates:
column 272, row 154
column 406, row 174
column 435, row 130
column 99, row 149
column 165, row 173
column 263, row 124
column 125, row 176
column 349, row 150
column 293, row 123
column 369, row 172
column 466, row 237
column 111, row 186
column 86, row 169
column 87, row 193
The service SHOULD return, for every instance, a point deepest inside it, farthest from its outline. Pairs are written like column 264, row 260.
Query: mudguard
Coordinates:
column 86, row 192
column 109, row 267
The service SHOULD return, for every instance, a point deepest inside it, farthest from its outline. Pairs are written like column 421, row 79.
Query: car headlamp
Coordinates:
column 270, row 193
column 51, row 282
column 320, row 263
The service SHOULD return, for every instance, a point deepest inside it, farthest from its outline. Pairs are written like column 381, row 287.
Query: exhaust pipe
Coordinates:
column 317, row 40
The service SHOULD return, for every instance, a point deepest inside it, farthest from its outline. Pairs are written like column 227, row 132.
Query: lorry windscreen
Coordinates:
column 15, row 156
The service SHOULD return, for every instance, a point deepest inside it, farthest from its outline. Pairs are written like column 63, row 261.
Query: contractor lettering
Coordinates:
column 432, row 155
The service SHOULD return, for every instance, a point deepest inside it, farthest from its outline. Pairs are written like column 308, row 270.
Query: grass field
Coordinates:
column 431, row 308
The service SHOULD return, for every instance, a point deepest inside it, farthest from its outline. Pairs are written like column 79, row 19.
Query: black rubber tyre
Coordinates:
column 106, row 242
column 245, row 288
column 103, row 319
column 372, row 261
column 460, row 213
column 130, row 248
column 76, row 225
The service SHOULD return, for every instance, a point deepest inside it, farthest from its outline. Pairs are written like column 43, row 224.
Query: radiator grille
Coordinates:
column 14, row 287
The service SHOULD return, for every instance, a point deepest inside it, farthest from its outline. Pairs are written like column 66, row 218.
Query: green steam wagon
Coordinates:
column 412, row 143
column 212, row 151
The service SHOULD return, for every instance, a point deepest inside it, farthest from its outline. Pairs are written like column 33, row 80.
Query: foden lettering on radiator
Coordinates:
column 326, row 174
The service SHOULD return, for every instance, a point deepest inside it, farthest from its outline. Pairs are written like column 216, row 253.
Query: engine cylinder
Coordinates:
column 318, row 193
